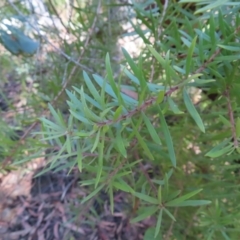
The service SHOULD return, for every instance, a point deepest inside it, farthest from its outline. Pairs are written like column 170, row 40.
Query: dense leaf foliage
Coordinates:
column 162, row 125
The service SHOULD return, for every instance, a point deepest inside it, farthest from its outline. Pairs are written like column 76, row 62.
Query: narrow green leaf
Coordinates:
column 142, row 143
column 105, row 112
column 143, row 83
column 93, row 102
column 202, row 36
column 79, row 157
column 192, row 110
column 230, row 48
column 70, row 122
column 165, row 63
column 225, row 121
column 146, row 198
column 120, row 144
column 92, row 194
column 100, row 157
column 224, row 234
column 118, row 112
column 201, row 53
column 176, row 201
column 81, row 118
column 159, row 222
column 152, row 87
column 55, row 136
column 131, row 63
column 191, row 203
column 173, row 106
column 169, row 214
column 110, row 192
column 229, row 58
column 56, row 116
column 160, row 97
column 83, row 133
column 173, row 195
column 219, row 153
column 238, row 127
column 106, row 87
column 88, row 113
column 188, row 80
column 68, row 144
column 110, row 77
column 210, row 6
column 159, row 58
column 140, row 32
column 74, row 103
column 122, row 185
column 149, row 211
column 219, row 147
column 151, row 129
column 168, row 138
column 52, row 125
column 160, row 194
column 96, row 142
column 91, row 87
column 137, row 70
column 133, row 78
column 189, row 59
column 149, row 234
column 186, row 40
column 166, row 186
column 178, row 69
column 212, row 30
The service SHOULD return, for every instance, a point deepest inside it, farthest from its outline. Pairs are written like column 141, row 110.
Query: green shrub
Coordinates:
column 146, row 114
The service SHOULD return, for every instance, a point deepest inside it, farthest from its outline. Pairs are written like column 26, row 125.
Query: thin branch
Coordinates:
column 56, row 13
column 152, row 100
column 136, row 110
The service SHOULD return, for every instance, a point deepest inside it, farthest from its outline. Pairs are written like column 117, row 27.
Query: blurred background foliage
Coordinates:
column 46, row 46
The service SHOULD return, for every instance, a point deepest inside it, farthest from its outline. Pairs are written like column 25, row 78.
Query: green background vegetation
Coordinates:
column 161, row 124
